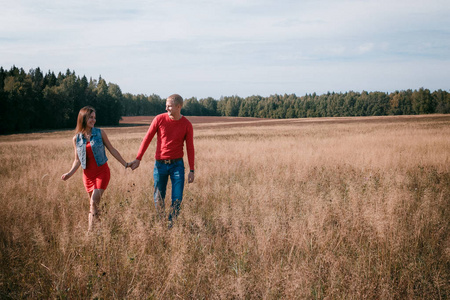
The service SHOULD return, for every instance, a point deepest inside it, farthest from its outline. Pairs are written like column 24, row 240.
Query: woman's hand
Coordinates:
column 76, row 163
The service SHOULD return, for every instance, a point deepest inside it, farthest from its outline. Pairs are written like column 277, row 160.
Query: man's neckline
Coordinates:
column 181, row 116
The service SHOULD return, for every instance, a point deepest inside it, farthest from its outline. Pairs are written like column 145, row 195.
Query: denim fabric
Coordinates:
column 97, row 147
column 161, row 174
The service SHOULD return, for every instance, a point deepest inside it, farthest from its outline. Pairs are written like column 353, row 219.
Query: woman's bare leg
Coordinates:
column 95, row 197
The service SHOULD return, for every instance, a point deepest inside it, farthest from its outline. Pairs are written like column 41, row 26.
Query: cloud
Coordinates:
column 366, row 47
column 213, row 48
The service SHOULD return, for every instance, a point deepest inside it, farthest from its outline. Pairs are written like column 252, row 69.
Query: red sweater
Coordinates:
column 170, row 138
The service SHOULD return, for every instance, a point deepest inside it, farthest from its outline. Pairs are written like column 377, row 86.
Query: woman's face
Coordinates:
column 91, row 121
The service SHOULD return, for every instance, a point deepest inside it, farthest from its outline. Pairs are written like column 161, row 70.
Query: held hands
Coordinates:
column 134, row 164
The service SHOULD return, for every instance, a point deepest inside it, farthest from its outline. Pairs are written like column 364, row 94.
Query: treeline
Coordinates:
column 35, row 100
column 407, row 102
column 47, row 101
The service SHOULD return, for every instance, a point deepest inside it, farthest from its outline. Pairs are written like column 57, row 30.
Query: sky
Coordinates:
column 200, row 48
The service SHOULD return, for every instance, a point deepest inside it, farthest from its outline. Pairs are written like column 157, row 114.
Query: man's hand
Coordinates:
column 134, row 164
column 191, row 177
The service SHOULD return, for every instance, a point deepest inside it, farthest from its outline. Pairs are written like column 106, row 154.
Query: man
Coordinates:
column 172, row 131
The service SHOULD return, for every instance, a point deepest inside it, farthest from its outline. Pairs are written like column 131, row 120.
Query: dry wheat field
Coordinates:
column 333, row 208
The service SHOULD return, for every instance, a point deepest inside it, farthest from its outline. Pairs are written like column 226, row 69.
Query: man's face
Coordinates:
column 173, row 110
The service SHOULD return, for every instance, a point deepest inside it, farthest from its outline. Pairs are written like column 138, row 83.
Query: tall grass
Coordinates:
column 295, row 210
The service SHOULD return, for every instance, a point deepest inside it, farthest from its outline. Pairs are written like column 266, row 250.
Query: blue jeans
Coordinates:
column 161, row 174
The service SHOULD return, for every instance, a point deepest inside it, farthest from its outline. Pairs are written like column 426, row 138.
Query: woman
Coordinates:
column 89, row 144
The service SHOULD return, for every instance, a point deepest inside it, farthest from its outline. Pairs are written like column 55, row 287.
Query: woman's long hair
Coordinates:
column 83, row 117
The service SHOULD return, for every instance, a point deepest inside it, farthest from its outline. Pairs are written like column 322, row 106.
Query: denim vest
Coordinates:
column 97, row 147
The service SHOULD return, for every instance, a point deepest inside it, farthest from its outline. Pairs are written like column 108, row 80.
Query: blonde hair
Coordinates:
column 83, row 117
column 177, row 99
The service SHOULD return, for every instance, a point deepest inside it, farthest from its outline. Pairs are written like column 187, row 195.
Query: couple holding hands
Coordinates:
column 172, row 131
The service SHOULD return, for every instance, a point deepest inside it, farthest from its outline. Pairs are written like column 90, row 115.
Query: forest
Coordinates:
column 40, row 101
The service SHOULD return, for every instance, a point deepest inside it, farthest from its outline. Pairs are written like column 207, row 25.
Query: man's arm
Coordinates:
column 144, row 144
column 190, row 152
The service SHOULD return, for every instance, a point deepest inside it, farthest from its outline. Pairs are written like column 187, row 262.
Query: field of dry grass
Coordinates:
column 336, row 208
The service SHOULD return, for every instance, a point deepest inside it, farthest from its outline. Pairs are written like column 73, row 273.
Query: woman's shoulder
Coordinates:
column 76, row 138
column 102, row 133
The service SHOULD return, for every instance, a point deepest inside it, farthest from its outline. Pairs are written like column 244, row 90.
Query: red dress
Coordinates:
column 95, row 177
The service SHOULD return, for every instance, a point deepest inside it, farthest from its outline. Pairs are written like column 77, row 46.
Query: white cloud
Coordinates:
column 366, row 47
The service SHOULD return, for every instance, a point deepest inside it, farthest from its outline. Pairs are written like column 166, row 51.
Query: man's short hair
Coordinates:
column 177, row 99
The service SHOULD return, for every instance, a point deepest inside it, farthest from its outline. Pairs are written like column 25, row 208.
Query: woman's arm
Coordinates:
column 76, row 163
column 113, row 150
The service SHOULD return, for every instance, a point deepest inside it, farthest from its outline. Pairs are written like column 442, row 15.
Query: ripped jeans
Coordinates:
column 161, row 174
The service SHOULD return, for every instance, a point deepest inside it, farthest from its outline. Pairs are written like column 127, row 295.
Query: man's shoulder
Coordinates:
column 161, row 116
column 158, row 118
column 185, row 120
